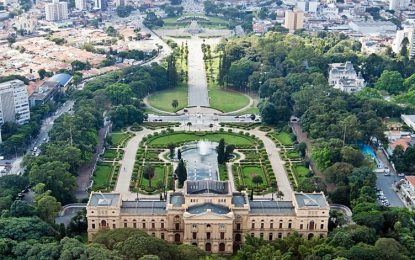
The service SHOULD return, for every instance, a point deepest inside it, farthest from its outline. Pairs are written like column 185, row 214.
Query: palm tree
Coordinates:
column 148, row 173
column 257, row 180
column 210, row 126
column 174, row 104
column 189, row 124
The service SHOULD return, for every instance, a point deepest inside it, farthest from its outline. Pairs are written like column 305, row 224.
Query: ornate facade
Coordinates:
column 207, row 214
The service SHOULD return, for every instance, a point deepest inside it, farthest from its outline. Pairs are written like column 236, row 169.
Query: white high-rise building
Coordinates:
column 397, row 5
column 308, row 6
column 409, row 33
column 101, row 4
column 14, row 102
column 119, row 3
column 56, row 11
column 80, row 4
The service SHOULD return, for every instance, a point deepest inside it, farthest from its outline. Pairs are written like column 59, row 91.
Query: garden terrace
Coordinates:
column 120, row 138
column 244, row 126
column 159, row 125
column 162, row 172
column 105, row 176
column 179, row 138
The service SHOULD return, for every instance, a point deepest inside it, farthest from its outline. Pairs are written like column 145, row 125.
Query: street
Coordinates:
column 47, row 125
column 385, row 184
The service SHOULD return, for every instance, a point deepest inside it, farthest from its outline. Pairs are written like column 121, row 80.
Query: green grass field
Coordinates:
column 189, row 137
column 118, row 137
column 248, row 172
column 158, row 176
column 222, row 99
column 300, row 172
column 284, row 138
column 110, row 154
column 102, row 176
column 162, row 99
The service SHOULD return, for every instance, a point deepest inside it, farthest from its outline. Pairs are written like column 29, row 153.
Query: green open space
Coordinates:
column 248, row 172
column 283, row 137
column 301, row 172
column 158, row 177
column 162, row 99
column 117, row 138
column 212, row 22
column 102, row 176
column 110, row 154
column 181, row 137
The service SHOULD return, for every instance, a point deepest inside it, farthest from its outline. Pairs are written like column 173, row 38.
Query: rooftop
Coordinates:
column 271, row 207
column 198, row 209
column 311, row 200
column 144, row 207
column 62, row 78
column 103, row 199
column 177, row 199
column 207, row 186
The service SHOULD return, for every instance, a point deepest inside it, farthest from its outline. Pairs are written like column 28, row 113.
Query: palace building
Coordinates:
column 207, row 214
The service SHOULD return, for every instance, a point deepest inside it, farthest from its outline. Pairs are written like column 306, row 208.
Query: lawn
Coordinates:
column 222, row 99
column 102, row 176
column 158, row 176
column 300, row 172
column 189, row 137
column 248, row 172
column 118, row 137
column 162, row 99
column 293, row 155
column 110, row 154
column 284, row 138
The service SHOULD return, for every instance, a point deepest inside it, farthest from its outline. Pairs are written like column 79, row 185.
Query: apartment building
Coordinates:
column 56, row 11
column 14, row 104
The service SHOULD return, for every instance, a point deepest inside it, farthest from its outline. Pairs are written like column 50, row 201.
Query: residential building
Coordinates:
column 56, row 11
column 25, row 23
column 407, row 32
column 119, row 3
column 308, row 6
column 208, row 215
column 81, row 5
column 343, row 76
column 101, row 5
column 294, row 20
column 14, row 104
column 397, row 5
column 409, row 120
column 407, row 191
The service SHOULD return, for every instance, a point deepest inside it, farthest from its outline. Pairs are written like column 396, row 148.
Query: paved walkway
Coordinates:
column 127, row 164
column 198, row 91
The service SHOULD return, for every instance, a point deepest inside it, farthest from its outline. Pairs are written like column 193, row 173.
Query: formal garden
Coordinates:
column 292, row 153
column 204, row 21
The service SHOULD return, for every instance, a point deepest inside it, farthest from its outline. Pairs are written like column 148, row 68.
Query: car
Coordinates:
column 35, row 149
column 185, row 110
column 401, row 174
column 45, row 139
column 25, row 191
column 236, row 116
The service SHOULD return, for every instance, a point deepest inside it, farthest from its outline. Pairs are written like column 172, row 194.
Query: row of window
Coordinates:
column 271, row 236
column 310, row 226
column 208, row 235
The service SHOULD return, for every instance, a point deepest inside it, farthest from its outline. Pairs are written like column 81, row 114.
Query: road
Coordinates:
column 197, row 82
column 385, row 183
column 43, row 135
column 201, row 119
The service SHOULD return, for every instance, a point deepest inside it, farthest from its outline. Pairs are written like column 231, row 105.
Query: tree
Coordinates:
column 301, row 148
column 21, row 208
column 220, row 149
column 189, row 124
column 257, row 179
column 124, row 11
column 24, row 228
column 148, row 173
column 42, row 73
column 390, row 81
column 119, row 93
column 228, row 151
column 47, row 208
column 389, row 248
column 239, row 72
column 179, row 154
column 181, row 172
column 56, row 177
column 352, row 156
column 174, row 104
column 171, row 147
column 11, row 38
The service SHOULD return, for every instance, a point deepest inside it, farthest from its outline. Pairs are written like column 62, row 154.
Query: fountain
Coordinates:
column 204, row 147
column 201, row 160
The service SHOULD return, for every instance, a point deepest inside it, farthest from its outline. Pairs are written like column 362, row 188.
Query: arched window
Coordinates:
column 208, row 247
column 238, row 237
column 177, row 218
column 194, row 244
column 311, row 225
column 222, row 247
column 177, row 238
column 103, row 223
column 310, row 236
column 208, row 226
